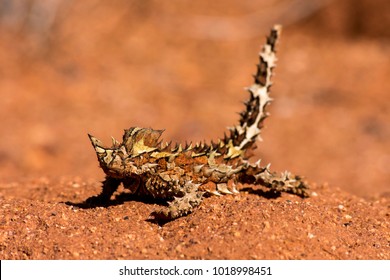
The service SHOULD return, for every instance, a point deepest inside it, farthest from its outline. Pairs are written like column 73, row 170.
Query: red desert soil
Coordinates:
column 181, row 65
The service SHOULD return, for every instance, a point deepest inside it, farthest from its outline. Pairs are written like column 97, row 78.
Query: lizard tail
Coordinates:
column 243, row 135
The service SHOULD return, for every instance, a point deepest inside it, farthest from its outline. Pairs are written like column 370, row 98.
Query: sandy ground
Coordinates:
column 101, row 68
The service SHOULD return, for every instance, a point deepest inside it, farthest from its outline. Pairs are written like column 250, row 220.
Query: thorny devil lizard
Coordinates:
column 182, row 176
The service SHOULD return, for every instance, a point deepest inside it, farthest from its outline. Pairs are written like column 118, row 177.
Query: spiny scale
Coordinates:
column 184, row 175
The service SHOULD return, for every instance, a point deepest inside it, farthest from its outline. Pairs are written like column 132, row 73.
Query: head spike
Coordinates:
column 115, row 143
column 97, row 144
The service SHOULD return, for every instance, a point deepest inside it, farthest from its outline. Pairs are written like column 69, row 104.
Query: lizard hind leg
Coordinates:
column 284, row 182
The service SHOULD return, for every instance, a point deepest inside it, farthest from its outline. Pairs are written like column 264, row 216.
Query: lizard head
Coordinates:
column 118, row 160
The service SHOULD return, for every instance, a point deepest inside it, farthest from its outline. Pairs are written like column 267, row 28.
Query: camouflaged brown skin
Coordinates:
column 184, row 175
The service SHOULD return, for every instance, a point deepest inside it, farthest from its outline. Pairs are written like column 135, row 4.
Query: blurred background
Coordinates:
column 68, row 68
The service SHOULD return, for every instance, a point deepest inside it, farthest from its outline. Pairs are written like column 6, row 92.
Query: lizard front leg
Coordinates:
column 110, row 185
column 180, row 206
